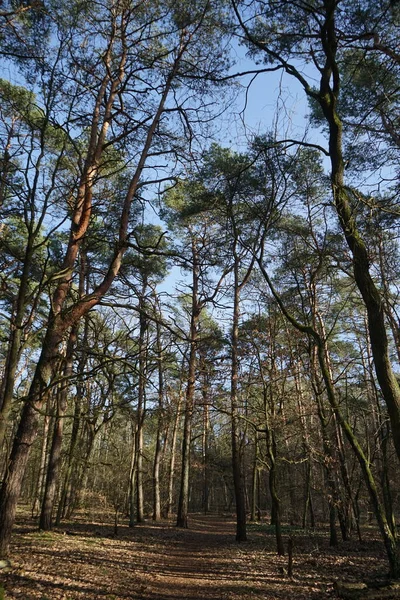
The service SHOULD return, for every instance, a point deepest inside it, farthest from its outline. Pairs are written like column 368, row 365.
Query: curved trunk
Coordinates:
column 343, row 198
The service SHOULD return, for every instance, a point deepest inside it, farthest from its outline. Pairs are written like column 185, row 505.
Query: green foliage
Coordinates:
column 148, row 261
column 20, row 103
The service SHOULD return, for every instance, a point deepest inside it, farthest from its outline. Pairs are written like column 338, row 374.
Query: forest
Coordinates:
column 199, row 281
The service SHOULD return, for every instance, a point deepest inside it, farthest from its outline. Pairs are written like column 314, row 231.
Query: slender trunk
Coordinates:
column 183, row 503
column 66, row 486
column 15, row 343
column 156, row 474
column 237, row 468
column 344, row 199
column 53, row 469
column 140, row 414
column 158, row 448
column 276, row 503
column 60, row 321
column 205, row 442
column 80, row 481
column 254, row 481
column 43, row 456
column 71, row 458
column 328, row 449
column 171, row 471
column 132, row 479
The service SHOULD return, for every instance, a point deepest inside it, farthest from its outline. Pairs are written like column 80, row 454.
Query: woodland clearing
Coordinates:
column 156, row 561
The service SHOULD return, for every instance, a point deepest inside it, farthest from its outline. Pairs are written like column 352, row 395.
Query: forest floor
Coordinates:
column 81, row 561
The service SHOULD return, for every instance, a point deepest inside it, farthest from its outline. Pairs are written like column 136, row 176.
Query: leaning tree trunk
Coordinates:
column 389, row 539
column 374, row 302
column 60, row 320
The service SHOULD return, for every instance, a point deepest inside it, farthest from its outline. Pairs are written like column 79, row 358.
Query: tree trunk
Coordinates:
column 238, row 476
column 183, row 503
column 66, row 487
column 15, row 344
column 158, row 449
column 140, row 414
column 38, row 496
column 374, row 303
column 132, row 479
column 254, row 481
column 205, row 442
column 53, row 468
column 25, row 436
column 171, row 470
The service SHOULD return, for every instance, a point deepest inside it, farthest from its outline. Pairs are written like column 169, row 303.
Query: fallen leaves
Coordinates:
column 157, row 561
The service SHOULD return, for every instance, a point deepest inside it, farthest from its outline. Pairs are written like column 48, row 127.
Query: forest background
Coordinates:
column 265, row 380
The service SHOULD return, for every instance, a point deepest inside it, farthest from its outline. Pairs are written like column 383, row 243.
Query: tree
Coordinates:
column 326, row 26
column 199, row 255
column 246, row 199
column 104, row 58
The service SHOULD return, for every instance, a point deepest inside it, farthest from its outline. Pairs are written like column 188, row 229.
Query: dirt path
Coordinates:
column 160, row 562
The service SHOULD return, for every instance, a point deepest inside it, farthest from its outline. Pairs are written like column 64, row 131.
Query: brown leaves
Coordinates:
column 155, row 561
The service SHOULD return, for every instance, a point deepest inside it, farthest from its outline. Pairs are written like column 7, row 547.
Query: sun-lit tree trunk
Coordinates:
column 54, row 464
column 172, row 458
column 59, row 322
column 38, row 495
